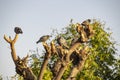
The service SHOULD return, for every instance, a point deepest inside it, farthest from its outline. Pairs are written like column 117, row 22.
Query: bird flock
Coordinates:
column 83, row 31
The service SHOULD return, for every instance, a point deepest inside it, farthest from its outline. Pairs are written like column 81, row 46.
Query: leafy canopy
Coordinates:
column 101, row 63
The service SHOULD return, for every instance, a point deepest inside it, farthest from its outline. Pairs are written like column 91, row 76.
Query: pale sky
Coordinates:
column 37, row 17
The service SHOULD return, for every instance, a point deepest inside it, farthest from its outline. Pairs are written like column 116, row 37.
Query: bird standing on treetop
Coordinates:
column 18, row 30
column 88, row 28
column 82, row 33
column 86, row 22
column 62, row 42
column 43, row 38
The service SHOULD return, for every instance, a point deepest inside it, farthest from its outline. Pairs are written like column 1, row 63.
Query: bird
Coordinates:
column 62, row 42
column 82, row 32
column 74, row 40
column 43, row 38
column 87, row 28
column 86, row 22
column 18, row 30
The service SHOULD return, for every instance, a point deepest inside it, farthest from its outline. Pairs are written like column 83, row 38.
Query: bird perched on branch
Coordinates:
column 87, row 27
column 18, row 30
column 62, row 42
column 82, row 32
column 74, row 40
column 86, row 22
column 43, row 38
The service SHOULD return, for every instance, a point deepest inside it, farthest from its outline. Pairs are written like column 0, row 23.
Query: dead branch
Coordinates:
column 12, row 42
column 21, row 64
column 53, row 48
column 78, row 67
column 66, row 60
column 56, row 67
column 63, row 52
column 84, row 37
column 23, row 70
column 46, row 58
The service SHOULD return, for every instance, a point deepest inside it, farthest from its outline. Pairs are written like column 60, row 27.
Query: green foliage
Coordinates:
column 20, row 77
column 47, row 74
column 67, row 71
column 101, row 63
column 35, row 62
column 116, row 70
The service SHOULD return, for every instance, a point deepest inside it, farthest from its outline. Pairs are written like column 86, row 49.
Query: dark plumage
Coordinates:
column 87, row 28
column 82, row 32
column 18, row 30
column 86, row 22
column 43, row 38
column 62, row 42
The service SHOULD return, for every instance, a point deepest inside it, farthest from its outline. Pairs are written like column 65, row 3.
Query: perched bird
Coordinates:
column 87, row 28
column 74, row 40
column 43, row 38
column 18, row 30
column 86, row 22
column 62, row 42
column 82, row 32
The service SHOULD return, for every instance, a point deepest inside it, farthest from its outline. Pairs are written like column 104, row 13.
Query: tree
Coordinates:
column 89, row 55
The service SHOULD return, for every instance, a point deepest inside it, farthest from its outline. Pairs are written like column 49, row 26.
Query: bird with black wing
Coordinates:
column 18, row 30
column 43, row 38
column 82, row 32
column 86, row 22
column 87, row 27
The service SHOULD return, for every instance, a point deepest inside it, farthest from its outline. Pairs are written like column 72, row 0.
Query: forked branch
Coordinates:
column 12, row 42
column 21, row 64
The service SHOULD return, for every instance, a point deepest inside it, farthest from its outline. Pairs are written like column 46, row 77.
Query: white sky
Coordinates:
column 37, row 17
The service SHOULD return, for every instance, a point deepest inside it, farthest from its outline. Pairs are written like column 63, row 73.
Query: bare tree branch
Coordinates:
column 12, row 42
column 21, row 64
column 77, row 68
column 61, row 50
column 46, row 58
column 66, row 60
